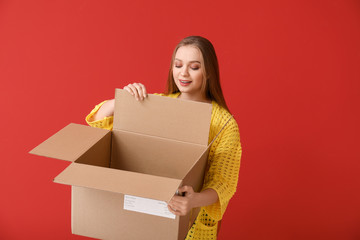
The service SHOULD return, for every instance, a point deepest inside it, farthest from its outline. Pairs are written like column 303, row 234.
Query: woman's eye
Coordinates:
column 178, row 66
column 195, row 68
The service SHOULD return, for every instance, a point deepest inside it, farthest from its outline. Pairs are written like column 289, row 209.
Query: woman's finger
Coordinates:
column 135, row 91
column 173, row 210
column 139, row 90
column 143, row 89
column 177, row 200
column 187, row 189
column 177, row 209
column 179, row 206
column 129, row 90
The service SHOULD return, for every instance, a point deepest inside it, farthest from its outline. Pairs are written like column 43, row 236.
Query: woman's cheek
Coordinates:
column 199, row 78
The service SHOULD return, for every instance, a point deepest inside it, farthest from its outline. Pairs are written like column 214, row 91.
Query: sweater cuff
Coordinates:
column 105, row 123
column 217, row 210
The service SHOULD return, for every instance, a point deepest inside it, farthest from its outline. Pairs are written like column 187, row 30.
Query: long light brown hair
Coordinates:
column 211, row 83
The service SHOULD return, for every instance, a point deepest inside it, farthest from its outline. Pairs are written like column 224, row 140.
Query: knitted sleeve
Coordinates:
column 105, row 123
column 224, row 165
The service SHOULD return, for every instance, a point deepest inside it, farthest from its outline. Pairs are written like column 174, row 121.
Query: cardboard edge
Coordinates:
column 227, row 121
column 209, row 145
column 99, row 154
column 33, row 150
column 40, row 150
column 206, row 108
column 78, row 175
column 195, row 211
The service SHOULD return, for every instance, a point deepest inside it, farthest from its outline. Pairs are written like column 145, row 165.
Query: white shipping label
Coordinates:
column 148, row 206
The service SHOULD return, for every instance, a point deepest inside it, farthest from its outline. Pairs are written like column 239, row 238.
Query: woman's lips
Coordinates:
column 184, row 82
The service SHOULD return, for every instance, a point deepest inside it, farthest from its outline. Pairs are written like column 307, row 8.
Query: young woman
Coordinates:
column 194, row 75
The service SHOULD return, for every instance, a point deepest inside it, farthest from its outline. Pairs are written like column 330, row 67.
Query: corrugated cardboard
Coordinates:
column 156, row 146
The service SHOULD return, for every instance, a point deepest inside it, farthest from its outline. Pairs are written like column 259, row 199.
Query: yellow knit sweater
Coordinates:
column 223, row 164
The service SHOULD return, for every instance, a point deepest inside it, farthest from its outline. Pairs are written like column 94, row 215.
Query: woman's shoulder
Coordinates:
column 221, row 114
column 219, row 117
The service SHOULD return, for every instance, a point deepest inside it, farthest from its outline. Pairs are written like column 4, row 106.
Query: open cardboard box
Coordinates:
column 122, row 179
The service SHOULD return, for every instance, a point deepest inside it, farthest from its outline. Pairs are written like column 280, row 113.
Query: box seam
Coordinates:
column 147, row 135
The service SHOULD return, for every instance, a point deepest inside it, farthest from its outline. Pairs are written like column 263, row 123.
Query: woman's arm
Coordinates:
column 138, row 90
column 106, row 110
column 220, row 180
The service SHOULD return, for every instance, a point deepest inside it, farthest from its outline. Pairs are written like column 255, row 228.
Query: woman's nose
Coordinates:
column 184, row 71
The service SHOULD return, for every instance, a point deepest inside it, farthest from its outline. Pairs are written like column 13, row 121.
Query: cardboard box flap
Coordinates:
column 70, row 142
column 119, row 181
column 165, row 117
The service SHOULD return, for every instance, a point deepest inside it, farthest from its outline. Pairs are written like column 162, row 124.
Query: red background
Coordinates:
column 290, row 74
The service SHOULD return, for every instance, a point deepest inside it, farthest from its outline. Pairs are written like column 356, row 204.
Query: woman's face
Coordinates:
column 188, row 70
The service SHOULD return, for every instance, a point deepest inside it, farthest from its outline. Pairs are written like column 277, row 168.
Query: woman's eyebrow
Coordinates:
column 189, row 61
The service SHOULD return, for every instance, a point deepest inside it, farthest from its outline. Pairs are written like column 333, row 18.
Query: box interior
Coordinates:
column 143, row 154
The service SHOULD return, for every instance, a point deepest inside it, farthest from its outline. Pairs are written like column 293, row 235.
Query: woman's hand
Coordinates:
column 181, row 205
column 138, row 90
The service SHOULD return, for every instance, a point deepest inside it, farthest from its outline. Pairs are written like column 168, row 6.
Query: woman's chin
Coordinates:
column 184, row 90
